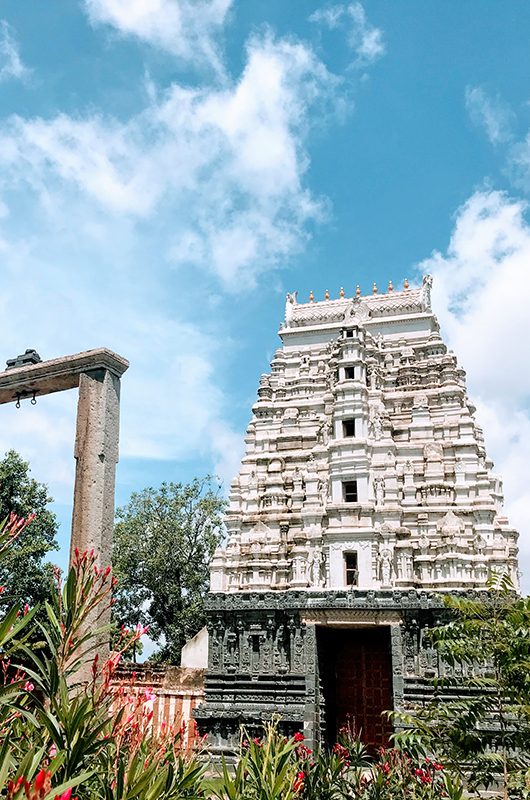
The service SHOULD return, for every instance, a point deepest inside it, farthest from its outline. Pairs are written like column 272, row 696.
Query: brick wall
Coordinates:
column 178, row 690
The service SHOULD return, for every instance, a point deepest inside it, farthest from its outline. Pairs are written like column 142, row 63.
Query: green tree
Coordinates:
column 22, row 573
column 479, row 720
column 163, row 542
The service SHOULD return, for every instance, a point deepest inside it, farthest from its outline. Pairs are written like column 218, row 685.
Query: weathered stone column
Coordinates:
column 97, row 373
column 96, row 454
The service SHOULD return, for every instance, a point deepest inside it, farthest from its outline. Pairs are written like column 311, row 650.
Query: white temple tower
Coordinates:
column 365, row 490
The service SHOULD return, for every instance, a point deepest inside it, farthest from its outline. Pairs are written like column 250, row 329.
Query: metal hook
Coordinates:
column 17, row 404
column 34, row 399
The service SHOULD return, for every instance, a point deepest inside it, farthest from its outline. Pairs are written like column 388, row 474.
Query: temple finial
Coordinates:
column 341, row 293
column 311, row 296
column 390, row 286
column 374, row 288
column 326, row 295
column 358, row 291
column 406, row 283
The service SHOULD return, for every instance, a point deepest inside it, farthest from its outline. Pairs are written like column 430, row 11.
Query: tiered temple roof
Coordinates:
column 364, row 464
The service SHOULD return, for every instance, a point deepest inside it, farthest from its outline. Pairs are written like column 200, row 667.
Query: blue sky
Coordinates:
column 169, row 169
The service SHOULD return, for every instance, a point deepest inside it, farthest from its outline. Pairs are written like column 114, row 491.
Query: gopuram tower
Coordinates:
column 365, row 493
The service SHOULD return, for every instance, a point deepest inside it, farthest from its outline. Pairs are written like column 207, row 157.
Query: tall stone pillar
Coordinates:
column 96, row 454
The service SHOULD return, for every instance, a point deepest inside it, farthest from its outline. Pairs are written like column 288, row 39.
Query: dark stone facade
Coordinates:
column 264, row 659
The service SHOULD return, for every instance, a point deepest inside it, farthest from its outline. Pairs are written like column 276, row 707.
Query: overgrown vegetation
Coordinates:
column 479, row 719
column 57, row 734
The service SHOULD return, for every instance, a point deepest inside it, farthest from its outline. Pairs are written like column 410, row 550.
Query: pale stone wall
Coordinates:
column 195, row 651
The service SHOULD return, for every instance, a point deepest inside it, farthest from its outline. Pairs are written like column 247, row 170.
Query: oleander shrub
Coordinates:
column 274, row 767
column 59, row 734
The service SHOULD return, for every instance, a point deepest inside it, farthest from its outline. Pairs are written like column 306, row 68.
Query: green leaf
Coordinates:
column 73, row 782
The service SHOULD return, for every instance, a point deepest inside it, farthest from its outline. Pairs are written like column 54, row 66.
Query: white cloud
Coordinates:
column 210, row 177
column 188, row 29
column 519, row 164
column 365, row 40
column 173, row 407
column 500, row 125
column 229, row 162
column 127, row 233
column 481, row 295
column 491, row 113
column 11, row 64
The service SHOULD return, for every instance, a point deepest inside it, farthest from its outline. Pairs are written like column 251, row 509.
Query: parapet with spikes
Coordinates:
column 346, row 310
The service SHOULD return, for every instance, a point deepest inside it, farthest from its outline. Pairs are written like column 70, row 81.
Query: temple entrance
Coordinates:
column 356, row 678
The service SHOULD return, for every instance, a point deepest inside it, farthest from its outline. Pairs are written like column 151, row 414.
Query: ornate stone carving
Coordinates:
column 328, row 528
column 426, row 292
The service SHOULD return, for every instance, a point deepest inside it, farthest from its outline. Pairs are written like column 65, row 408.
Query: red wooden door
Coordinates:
column 358, row 683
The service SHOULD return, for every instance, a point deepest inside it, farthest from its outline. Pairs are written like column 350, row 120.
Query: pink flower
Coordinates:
column 28, row 686
column 298, row 737
column 141, row 629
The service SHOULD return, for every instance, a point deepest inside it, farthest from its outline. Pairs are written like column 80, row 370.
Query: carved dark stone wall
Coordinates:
column 263, row 657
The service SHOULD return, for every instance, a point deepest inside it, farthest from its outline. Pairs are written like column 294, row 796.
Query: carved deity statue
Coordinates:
column 316, row 564
column 376, row 427
column 379, row 491
column 426, row 292
column 385, row 566
column 298, row 482
column 290, row 302
column 374, row 378
column 322, row 432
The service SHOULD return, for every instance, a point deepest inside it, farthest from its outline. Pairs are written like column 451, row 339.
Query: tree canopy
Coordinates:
column 479, row 719
column 163, row 542
column 22, row 573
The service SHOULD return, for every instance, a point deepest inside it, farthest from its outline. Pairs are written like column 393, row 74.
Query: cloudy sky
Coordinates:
column 170, row 168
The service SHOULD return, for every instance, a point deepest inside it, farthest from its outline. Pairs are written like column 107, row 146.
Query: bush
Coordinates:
column 277, row 768
column 58, row 734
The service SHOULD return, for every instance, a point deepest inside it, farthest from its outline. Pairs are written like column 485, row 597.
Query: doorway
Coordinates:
column 355, row 668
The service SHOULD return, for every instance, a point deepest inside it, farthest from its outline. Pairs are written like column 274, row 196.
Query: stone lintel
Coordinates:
column 57, row 374
column 347, row 618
